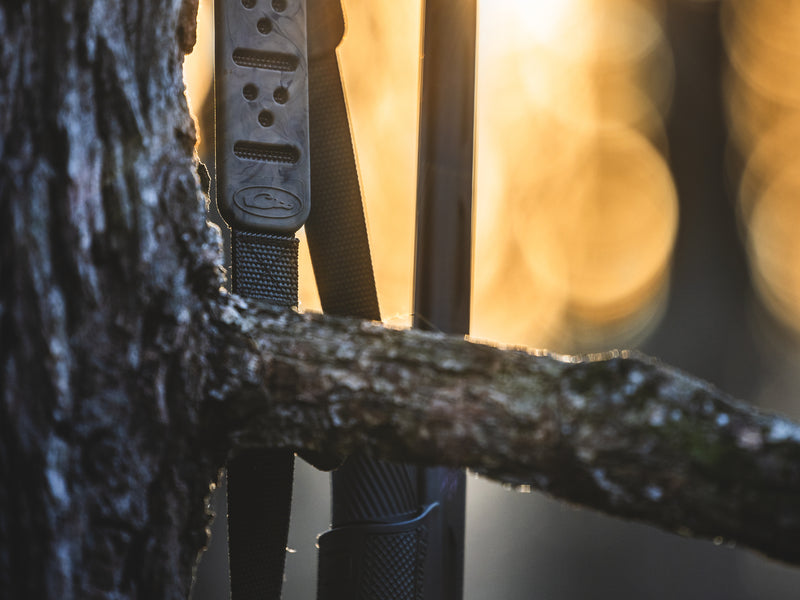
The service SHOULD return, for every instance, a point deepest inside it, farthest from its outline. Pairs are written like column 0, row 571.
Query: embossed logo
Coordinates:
column 269, row 202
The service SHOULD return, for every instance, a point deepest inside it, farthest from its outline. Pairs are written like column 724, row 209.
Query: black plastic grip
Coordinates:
column 376, row 561
column 261, row 92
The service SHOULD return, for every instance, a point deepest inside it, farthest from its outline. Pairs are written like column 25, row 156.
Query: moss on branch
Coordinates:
column 619, row 432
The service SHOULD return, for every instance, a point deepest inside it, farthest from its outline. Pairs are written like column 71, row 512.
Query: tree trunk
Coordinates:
column 107, row 271
column 127, row 375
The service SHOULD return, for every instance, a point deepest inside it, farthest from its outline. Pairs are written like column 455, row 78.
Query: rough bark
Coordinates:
column 107, row 270
column 127, row 375
column 619, row 432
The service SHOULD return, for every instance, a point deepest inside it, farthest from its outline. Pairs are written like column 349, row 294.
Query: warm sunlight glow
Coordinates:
column 380, row 67
column 575, row 210
column 541, row 21
column 775, row 248
column 198, row 67
column 569, row 178
column 763, row 97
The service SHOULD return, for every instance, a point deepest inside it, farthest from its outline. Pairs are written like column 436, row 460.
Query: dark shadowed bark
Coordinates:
column 127, row 375
column 108, row 270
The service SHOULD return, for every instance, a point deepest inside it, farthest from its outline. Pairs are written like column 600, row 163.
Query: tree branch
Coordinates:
column 620, row 433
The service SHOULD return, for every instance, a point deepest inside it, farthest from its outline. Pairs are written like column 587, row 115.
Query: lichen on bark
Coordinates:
column 618, row 432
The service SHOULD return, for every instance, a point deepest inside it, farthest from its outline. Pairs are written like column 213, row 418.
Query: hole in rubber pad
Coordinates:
column 278, row 153
column 261, row 59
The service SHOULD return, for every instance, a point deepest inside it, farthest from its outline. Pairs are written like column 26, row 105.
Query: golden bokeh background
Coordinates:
column 762, row 40
column 575, row 209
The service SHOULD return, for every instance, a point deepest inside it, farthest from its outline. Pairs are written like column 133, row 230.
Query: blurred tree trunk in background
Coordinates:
column 710, row 289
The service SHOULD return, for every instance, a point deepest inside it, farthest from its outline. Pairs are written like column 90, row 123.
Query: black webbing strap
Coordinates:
column 260, row 481
column 378, row 545
column 259, row 500
column 263, row 181
column 336, row 228
column 265, row 266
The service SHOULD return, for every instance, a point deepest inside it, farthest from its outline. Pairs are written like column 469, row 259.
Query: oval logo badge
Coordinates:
column 269, row 202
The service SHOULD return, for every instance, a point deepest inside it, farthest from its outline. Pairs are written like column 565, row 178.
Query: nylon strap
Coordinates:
column 259, row 501
column 262, row 181
column 259, row 481
column 265, row 266
column 336, row 227
column 364, row 491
